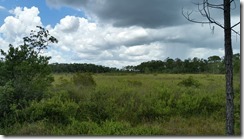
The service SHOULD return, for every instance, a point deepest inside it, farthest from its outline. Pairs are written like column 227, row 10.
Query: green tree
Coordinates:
column 25, row 73
column 214, row 63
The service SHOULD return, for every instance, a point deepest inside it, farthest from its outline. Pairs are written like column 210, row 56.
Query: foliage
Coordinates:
column 118, row 106
column 83, row 80
column 6, row 99
column 134, row 83
column 78, row 67
column 57, row 109
column 25, row 73
column 213, row 64
column 189, row 82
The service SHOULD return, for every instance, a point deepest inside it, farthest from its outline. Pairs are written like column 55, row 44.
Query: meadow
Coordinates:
column 130, row 104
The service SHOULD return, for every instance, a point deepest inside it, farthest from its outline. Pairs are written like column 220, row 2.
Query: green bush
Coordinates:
column 32, row 129
column 83, row 80
column 82, row 128
column 146, row 130
column 189, row 82
column 128, row 105
column 78, row 88
column 25, row 75
column 95, row 108
column 56, row 110
column 134, row 83
column 6, row 99
column 195, row 105
column 115, row 128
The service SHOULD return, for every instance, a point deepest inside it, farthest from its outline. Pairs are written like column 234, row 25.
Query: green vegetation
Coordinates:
column 129, row 104
column 213, row 65
column 35, row 102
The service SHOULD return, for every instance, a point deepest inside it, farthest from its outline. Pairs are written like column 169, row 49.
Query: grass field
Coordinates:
column 161, row 103
column 131, row 104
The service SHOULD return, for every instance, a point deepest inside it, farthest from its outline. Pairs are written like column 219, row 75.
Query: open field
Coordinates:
column 159, row 102
column 131, row 104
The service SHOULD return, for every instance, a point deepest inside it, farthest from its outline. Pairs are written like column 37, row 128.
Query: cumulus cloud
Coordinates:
column 68, row 24
column 132, row 45
column 19, row 25
column 86, row 41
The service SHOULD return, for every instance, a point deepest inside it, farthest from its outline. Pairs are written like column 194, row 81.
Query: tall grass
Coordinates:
column 131, row 104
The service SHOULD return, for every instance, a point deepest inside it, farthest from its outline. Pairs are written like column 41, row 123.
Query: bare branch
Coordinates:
column 210, row 20
column 187, row 16
column 235, row 32
column 235, row 25
column 214, row 6
column 203, row 9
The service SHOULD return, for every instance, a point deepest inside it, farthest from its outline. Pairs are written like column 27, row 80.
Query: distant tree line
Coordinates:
column 214, row 64
column 80, row 67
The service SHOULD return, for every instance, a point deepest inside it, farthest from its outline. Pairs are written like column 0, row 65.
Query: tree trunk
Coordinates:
column 229, row 70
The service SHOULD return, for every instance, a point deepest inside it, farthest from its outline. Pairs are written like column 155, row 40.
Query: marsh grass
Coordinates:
column 135, row 104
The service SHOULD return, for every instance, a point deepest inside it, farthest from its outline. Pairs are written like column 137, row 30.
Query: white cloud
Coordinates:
column 20, row 24
column 83, row 41
column 57, row 56
column 69, row 24
column 137, row 50
column 204, row 53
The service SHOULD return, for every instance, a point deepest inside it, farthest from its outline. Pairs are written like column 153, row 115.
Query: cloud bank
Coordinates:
column 119, row 32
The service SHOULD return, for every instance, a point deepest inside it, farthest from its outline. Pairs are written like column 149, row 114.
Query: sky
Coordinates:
column 117, row 33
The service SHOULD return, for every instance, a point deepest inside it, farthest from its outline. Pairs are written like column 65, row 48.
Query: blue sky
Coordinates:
column 116, row 33
column 50, row 15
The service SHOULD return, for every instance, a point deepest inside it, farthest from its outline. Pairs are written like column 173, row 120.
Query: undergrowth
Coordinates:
column 85, row 104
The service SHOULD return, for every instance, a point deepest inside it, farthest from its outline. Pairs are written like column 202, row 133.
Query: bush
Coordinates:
column 82, row 128
column 189, row 82
column 37, row 128
column 83, row 80
column 115, row 128
column 146, row 130
column 95, row 108
column 25, row 75
column 134, row 83
column 195, row 105
column 57, row 109
column 6, row 99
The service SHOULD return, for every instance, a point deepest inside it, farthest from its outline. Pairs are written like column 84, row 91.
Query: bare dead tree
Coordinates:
column 204, row 9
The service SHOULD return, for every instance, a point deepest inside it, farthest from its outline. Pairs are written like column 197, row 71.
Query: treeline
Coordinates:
column 214, row 64
column 80, row 67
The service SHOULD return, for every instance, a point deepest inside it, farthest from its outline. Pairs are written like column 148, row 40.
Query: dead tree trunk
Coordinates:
column 204, row 10
column 229, row 70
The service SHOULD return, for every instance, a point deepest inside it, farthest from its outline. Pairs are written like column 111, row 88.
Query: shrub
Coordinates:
column 195, row 105
column 146, row 130
column 56, row 110
column 115, row 128
column 134, row 83
column 6, row 98
column 83, row 80
column 25, row 75
column 82, row 128
column 96, row 108
column 189, row 82
column 36, row 128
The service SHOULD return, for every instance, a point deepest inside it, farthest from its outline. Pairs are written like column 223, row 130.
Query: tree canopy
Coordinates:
column 24, row 72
